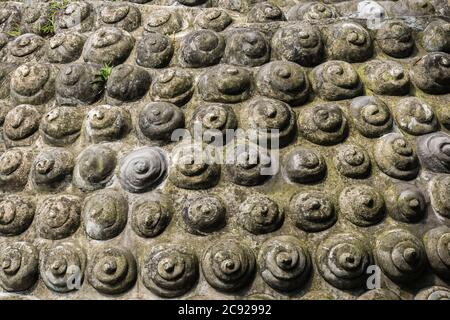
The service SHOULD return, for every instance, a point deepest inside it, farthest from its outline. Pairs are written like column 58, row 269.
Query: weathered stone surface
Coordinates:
column 52, row 169
column 400, row 255
column 114, row 121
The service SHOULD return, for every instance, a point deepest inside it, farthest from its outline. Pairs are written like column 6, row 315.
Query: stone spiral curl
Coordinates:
column 336, row 80
column 284, row 263
column 273, row 120
column 348, row 41
column 142, row 169
column 94, row 167
column 312, row 211
column 431, row 73
column 204, row 215
column 15, row 165
column 371, row 116
column 440, row 198
column 362, row 205
column 18, row 266
column 415, row 117
column 342, row 260
column 60, row 265
column 61, row 126
column 433, row 151
column 283, row 80
column 400, row 255
column 405, row 203
column 150, row 217
column 159, row 120
column 58, row 217
column 107, row 123
column 433, row 293
column 193, row 168
column 251, row 166
column 214, row 19
column 105, row 214
column 395, row 156
column 304, row 165
column 170, row 270
column 16, row 214
column 202, row 48
column 228, row 265
column 323, row 124
column 20, row 125
column 225, row 83
column 174, row 85
column 52, row 169
column 437, row 247
column 112, row 270
column 352, row 161
column 259, row 214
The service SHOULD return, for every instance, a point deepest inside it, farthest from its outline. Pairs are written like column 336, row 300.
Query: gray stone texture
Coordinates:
column 89, row 185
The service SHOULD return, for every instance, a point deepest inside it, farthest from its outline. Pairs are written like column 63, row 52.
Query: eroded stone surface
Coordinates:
column 98, row 178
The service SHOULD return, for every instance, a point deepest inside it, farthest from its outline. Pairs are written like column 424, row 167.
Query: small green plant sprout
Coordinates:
column 103, row 74
column 15, row 32
column 49, row 26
